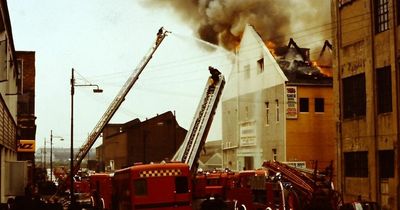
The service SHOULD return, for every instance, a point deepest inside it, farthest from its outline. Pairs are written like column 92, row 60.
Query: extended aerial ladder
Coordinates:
column 115, row 104
column 314, row 189
column 195, row 139
column 302, row 182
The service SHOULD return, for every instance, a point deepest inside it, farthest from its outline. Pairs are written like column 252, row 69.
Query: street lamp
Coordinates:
column 51, row 152
column 71, row 175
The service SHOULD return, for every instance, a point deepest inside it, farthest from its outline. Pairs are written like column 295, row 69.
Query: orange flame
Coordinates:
column 231, row 42
column 271, row 46
column 325, row 71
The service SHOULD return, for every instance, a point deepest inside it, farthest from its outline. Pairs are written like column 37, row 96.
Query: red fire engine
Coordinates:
column 213, row 183
column 161, row 186
column 275, row 186
column 100, row 190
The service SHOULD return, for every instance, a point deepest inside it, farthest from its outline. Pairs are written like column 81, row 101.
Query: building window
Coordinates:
column 260, row 65
column 381, row 15
column 386, row 164
column 397, row 2
column 274, row 154
column 384, row 85
column 246, row 109
column 354, row 96
column 181, row 185
column 319, row 105
column 304, row 105
column 246, row 71
column 356, row 164
column 266, row 113
column 20, row 67
column 277, row 110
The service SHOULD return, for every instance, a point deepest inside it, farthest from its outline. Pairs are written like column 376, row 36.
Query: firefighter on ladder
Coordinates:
column 159, row 35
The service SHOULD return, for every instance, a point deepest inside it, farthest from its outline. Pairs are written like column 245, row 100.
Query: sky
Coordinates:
column 104, row 42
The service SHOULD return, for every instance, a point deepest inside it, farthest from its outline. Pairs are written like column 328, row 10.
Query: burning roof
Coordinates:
column 295, row 62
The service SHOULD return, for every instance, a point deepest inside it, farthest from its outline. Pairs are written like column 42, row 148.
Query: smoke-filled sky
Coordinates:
column 222, row 21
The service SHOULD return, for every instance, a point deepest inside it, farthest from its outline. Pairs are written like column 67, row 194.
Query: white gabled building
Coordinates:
column 253, row 107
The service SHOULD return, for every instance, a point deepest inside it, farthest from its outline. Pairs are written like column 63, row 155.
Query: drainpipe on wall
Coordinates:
column 284, row 121
column 374, row 121
column 238, row 165
column 339, row 149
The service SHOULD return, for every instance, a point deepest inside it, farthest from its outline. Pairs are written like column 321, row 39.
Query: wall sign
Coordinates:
column 248, row 134
column 291, row 94
column 26, row 146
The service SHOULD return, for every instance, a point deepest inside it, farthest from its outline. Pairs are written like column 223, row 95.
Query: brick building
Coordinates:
column 26, row 107
column 367, row 87
column 309, row 105
column 152, row 140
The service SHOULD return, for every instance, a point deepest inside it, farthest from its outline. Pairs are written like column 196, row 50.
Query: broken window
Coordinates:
column 319, row 105
column 381, row 15
column 356, row 164
column 384, row 84
column 386, row 164
column 260, row 66
column 354, row 96
column 304, row 107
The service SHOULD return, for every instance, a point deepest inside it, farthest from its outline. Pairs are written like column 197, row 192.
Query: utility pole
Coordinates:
column 51, row 155
column 44, row 153
column 71, row 169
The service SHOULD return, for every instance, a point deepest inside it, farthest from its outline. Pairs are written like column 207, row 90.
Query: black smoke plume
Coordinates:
column 222, row 22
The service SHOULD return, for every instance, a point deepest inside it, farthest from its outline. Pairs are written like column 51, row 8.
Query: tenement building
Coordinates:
column 367, row 87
